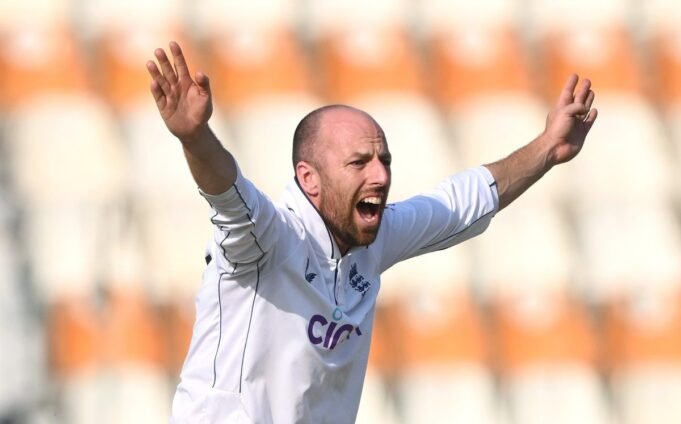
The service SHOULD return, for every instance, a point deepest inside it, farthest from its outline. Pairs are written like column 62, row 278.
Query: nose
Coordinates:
column 379, row 173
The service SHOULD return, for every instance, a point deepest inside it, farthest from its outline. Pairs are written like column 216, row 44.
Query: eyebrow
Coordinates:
column 366, row 154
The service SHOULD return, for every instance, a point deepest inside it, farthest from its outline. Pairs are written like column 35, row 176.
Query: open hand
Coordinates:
column 570, row 120
column 184, row 103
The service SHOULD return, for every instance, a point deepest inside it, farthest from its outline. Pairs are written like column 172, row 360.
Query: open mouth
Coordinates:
column 369, row 208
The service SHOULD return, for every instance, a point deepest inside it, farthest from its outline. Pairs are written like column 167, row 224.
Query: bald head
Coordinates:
column 309, row 131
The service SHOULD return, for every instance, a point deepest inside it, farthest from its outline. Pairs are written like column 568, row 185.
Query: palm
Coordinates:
column 570, row 121
column 186, row 109
column 184, row 104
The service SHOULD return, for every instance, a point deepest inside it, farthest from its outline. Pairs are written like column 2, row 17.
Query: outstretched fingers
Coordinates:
column 179, row 60
column 590, row 99
column 160, row 88
column 159, row 96
column 567, row 94
column 158, row 77
column 166, row 67
column 583, row 92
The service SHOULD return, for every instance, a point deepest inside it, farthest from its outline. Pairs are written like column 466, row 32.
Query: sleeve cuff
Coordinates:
column 228, row 199
column 491, row 182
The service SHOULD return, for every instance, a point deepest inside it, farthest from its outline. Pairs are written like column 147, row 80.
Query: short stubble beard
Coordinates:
column 342, row 225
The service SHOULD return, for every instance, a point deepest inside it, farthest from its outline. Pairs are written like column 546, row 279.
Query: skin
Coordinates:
column 567, row 126
column 352, row 163
column 352, row 158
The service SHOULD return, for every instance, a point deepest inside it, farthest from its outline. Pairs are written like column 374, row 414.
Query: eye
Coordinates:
column 357, row 163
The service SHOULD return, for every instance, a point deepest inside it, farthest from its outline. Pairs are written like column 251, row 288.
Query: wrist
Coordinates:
column 544, row 153
column 201, row 133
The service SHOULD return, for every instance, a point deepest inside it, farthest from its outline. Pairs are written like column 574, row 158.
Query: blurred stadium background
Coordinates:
column 568, row 310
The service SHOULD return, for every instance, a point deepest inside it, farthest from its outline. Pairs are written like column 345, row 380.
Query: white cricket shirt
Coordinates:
column 283, row 321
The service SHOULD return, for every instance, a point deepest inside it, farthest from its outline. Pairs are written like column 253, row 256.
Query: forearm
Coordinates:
column 211, row 165
column 517, row 172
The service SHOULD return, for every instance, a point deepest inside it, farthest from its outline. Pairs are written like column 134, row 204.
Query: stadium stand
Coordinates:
column 566, row 311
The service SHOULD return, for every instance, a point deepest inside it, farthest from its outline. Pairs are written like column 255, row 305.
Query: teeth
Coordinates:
column 372, row 200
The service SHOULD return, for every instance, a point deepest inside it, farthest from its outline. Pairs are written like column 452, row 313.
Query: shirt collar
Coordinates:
column 297, row 201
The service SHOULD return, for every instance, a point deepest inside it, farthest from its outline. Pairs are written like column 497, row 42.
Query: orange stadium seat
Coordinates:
column 531, row 248
column 446, row 373
column 177, row 322
column 667, row 66
column 543, row 329
column 660, row 34
column 40, row 52
column 547, row 340
column 357, row 63
column 425, row 283
column 134, row 359
column 473, row 49
column 604, row 55
column 644, row 328
column 261, row 81
column 75, row 332
column 39, row 61
column 250, row 64
column 599, row 45
column 644, row 355
column 661, row 37
column 469, row 62
column 120, row 56
column 364, row 49
column 252, row 50
column 448, row 332
column 132, row 329
column 122, row 36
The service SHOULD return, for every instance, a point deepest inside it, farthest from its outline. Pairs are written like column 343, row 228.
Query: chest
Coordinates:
column 348, row 283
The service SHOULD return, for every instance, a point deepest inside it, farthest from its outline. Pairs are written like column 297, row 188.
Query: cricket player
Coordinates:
column 285, row 313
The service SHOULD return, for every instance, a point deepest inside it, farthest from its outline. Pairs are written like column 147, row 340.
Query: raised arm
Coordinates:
column 566, row 128
column 185, row 105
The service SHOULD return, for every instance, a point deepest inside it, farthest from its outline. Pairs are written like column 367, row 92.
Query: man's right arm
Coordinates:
column 211, row 165
column 248, row 224
column 185, row 105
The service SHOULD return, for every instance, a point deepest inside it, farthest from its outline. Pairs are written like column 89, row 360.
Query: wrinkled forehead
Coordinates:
column 346, row 128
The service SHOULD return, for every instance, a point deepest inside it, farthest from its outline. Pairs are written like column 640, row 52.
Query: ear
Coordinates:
column 308, row 178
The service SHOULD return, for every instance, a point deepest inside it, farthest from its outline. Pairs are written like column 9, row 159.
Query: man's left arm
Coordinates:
column 566, row 128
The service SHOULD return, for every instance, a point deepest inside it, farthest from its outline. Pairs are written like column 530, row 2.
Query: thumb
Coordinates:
column 203, row 82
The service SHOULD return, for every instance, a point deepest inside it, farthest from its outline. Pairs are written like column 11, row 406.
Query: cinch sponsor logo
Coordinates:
column 327, row 333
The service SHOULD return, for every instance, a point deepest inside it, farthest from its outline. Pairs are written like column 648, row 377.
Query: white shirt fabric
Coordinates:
column 283, row 321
